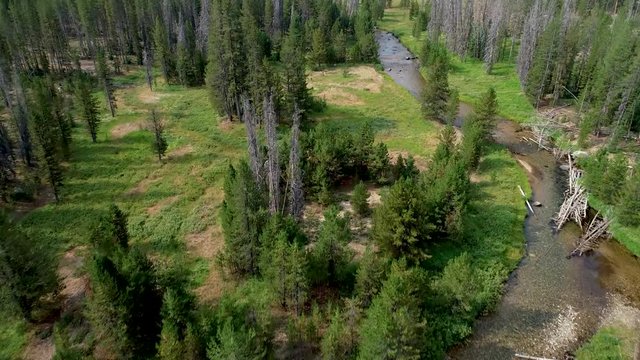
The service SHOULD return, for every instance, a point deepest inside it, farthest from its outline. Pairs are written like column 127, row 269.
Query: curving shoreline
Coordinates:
column 551, row 305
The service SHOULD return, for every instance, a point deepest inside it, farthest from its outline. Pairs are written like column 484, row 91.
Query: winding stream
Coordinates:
column 551, row 305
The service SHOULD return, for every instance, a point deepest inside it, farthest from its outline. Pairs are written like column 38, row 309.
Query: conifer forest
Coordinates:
column 319, row 179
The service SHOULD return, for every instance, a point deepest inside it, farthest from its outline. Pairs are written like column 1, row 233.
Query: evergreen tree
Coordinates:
column 453, row 105
column 359, row 200
column 613, row 179
column 27, row 267
column 163, row 51
column 87, row 105
column 486, row 112
column 243, row 217
column 341, row 337
column 331, row 253
column 435, row 94
column 371, row 273
column 399, row 226
column 628, row 208
column 156, row 125
column 124, row 306
column 393, row 327
column 7, row 163
column 319, row 48
column 226, row 72
column 294, row 76
column 178, row 338
column 45, row 127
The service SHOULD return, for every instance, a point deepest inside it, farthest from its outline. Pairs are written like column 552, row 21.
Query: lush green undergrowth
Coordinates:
column 609, row 343
column 469, row 76
column 626, row 235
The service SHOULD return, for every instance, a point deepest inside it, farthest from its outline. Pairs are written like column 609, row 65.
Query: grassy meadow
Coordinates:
column 173, row 204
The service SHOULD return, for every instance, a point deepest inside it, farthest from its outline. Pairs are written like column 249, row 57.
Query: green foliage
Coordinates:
column 159, row 144
column 605, row 178
column 27, row 270
column 332, row 155
column 359, row 200
column 87, row 105
column 331, row 254
column 124, row 307
column 243, row 216
column 371, row 273
column 399, row 228
column 628, row 209
column 393, row 327
column 608, row 343
column 435, row 94
column 341, row 337
column 242, row 325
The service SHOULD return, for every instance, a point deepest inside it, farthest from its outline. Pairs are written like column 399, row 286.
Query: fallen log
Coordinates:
column 531, row 357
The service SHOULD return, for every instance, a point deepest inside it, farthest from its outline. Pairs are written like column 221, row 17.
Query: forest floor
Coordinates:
column 173, row 205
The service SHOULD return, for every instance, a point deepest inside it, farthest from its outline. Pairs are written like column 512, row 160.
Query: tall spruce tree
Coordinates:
column 435, row 94
column 104, row 76
column 87, row 106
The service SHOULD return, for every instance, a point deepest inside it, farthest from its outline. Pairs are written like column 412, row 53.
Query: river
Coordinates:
column 551, row 304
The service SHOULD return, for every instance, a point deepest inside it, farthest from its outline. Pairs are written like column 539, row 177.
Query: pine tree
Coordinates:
column 371, row 273
column 243, row 217
column 393, row 327
column 178, row 330
column 87, row 105
column 28, row 267
column 613, row 179
column 7, row 163
column 292, row 58
column 435, row 94
column 319, row 48
column 399, row 226
column 453, row 105
column 296, row 201
column 485, row 113
column 331, row 253
column 628, row 207
column 341, row 337
column 45, row 128
column 359, row 200
column 104, row 76
column 163, row 51
column 156, row 125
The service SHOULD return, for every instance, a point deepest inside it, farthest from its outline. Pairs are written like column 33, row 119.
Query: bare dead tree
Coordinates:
column 536, row 21
column 147, row 59
column 352, row 7
column 276, row 21
column 436, row 19
column 296, row 198
column 202, row 29
column 496, row 20
column 250, row 123
column 273, row 165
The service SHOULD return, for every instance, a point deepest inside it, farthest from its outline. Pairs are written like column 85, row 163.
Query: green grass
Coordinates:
column 610, row 343
column 469, row 77
column 627, row 236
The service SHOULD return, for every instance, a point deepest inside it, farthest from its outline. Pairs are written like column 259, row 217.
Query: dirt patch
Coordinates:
column 360, row 78
column 155, row 209
column 206, row 244
column 39, row 349
column 180, row 152
column 338, row 96
column 149, row 97
column 143, row 185
column 122, row 130
column 225, row 125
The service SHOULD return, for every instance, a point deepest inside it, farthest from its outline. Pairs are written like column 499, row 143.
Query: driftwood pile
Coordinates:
column 574, row 208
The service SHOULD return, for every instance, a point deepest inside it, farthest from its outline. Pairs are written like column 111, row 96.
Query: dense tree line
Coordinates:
column 569, row 49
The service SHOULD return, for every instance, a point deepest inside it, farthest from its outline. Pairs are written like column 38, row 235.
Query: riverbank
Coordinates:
column 551, row 304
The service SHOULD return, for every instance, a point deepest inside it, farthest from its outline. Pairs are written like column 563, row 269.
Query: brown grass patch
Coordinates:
column 38, row 348
column 122, row 130
column 155, row 209
column 361, row 78
column 143, row 185
column 206, row 244
column 338, row 96
column 149, row 97
column 180, row 152
column 227, row 126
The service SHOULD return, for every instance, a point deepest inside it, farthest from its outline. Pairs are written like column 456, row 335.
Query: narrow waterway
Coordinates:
column 551, row 304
